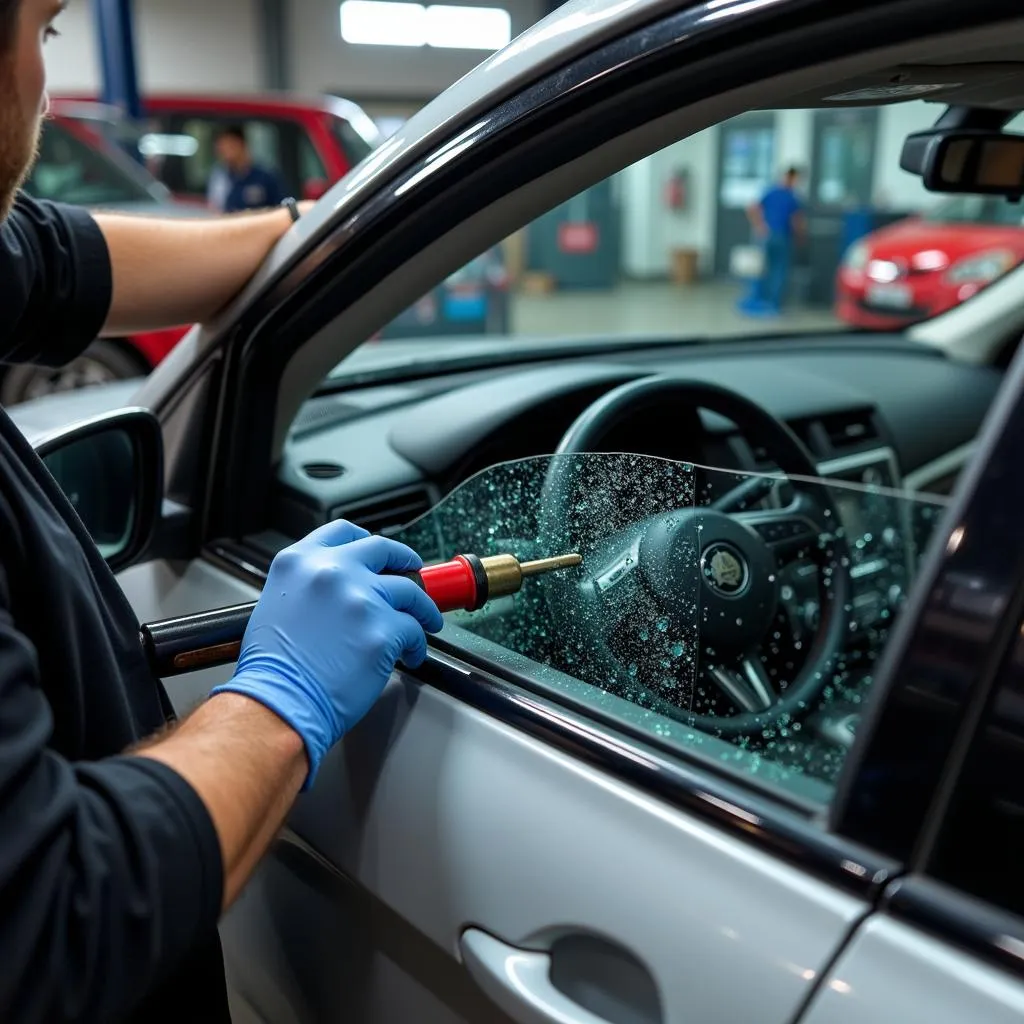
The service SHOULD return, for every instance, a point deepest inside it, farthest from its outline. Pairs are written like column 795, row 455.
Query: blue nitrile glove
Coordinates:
column 327, row 631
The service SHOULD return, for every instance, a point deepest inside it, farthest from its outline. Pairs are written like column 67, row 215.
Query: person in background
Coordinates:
column 778, row 223
column 237, row 182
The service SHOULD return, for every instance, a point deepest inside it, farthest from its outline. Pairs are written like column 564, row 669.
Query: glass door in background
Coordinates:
column 747, row 162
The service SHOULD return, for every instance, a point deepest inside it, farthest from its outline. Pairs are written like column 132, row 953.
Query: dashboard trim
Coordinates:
column 835, row 468
column 951, row 462
column 795, row 837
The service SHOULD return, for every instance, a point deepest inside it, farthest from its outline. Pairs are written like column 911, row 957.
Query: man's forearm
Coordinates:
column 247, row 766
column 169, row 272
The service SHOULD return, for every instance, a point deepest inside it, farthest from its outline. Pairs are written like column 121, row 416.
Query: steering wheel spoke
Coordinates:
column 712, row 569
column 746, row 684
column 789, row 532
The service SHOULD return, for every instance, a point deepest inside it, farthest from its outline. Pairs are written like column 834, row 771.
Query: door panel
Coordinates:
column 454, row 820
column 894, row 974
column 446, row 819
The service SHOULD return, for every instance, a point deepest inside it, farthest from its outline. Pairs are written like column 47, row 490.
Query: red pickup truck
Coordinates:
column 310, row 142
column 75, row 165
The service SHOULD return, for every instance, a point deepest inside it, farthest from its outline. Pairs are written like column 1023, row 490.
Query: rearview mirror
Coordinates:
column 111, row 469
column 978, row 162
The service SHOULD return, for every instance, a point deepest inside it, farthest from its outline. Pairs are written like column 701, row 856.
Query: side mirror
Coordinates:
column 314, row 188
column 971, row 161
column 111, row 469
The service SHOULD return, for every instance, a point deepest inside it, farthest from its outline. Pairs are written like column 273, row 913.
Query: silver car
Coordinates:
column 760, row 757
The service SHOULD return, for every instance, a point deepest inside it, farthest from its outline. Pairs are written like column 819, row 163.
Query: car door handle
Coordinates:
column 519, row 982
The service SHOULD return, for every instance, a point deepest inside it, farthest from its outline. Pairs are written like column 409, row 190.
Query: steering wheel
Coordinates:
column 720, row 560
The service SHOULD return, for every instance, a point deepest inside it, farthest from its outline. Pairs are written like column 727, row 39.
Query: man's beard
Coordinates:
column 19, row 140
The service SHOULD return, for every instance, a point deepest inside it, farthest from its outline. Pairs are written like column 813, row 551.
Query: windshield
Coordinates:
column 977, row 210
column 354, row 144
column 695, row 619
column 71, row 170
column 773, row 223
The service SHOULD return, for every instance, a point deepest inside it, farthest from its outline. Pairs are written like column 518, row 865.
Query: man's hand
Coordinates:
column 171, row 272
column 328, row 630
column 319, row 649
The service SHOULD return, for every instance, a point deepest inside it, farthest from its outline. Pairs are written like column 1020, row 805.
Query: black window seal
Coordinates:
column 995, row 936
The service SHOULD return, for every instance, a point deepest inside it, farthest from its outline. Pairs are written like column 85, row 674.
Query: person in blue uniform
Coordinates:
column 124, row 835
column 237, row 182
column 777, row 222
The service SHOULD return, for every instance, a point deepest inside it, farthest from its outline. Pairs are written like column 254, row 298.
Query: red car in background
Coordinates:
column 922, row 266
column 77, row 166
column 309, row 142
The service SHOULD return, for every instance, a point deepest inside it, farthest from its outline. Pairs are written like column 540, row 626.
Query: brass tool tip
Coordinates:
column 550, row 564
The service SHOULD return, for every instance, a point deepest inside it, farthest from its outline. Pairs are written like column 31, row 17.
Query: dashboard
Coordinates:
column 380, row 454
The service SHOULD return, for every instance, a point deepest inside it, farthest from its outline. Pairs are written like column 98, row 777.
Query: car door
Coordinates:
column 946, row 942
column 480, row 850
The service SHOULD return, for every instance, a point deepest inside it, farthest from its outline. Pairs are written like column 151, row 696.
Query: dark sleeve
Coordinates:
column 110, row 872
column 275, row 190
column 55, row 282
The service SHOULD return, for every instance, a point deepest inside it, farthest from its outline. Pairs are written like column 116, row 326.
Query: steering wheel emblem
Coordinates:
column 725, row 569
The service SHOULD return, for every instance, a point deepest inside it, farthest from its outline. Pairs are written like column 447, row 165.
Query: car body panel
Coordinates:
column 44, row 415
column 697, row 896
column 681, row 895
column 892, row 973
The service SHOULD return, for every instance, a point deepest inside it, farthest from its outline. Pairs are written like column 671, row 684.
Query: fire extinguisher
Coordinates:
column 677, row 191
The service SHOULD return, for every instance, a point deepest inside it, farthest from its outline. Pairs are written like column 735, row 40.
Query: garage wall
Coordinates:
column 650, row 229
column 194, row 44
column 320, row 61
column 895, row 189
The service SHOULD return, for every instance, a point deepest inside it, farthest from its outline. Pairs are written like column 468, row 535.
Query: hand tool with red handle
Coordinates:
column 213, row 638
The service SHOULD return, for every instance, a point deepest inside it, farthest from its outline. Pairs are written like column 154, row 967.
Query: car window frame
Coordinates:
column 895, row 793
column 621, row 73
column 952, row 899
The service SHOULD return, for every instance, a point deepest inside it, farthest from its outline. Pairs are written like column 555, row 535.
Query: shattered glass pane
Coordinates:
column 738, row 614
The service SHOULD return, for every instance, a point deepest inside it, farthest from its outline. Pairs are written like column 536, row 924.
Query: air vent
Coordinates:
column 849, row 430
column 387, row 513
column 323, row 470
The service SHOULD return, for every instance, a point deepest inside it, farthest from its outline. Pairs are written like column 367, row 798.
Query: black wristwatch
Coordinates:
column 292, row 207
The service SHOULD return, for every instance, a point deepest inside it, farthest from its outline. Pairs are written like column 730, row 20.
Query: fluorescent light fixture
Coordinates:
column 443, row 26
column 168, row 145
column 383, row 23
column 468, row 28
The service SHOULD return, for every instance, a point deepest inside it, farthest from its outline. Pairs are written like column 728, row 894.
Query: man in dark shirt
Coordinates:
column 122, row 839
column 237, row 182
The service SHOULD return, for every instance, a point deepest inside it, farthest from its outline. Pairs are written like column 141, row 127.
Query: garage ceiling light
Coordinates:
column 386, row 23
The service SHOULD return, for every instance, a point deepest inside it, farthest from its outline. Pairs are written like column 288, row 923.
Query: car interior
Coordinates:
column 751, row 503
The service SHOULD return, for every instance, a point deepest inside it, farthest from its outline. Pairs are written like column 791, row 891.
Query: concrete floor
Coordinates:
column 654, row 308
